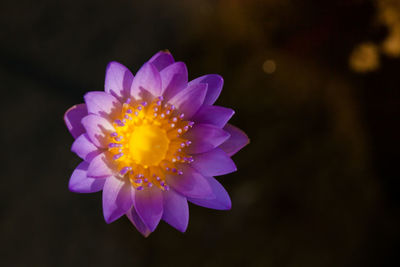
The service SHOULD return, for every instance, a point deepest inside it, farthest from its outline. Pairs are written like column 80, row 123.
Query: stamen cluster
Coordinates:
column 159, row 128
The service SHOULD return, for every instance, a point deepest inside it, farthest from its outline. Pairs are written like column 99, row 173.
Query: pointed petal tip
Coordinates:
column 221, row 201
column 72, row 118
column 238, row 140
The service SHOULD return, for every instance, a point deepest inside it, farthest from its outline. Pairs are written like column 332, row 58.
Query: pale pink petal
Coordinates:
column 118, row 80
column 190, row 184
column 146, row 83
column 161, row 60
column 84, row 148
column 102, row 104
column 205, row 137
column 98, row 129
column 80, row 183
column 118, row 195
column 73, row 117
column 189, row 100
column 137, row 222
column 213, row 163
column 221, row 201
column 149, row 206
column 238, row 139
column 174, row 79
column 215, row 83
column 214, row 115
column 176, row 210
column 100, row 166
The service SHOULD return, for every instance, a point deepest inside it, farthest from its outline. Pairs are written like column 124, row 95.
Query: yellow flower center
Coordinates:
column 147, row 143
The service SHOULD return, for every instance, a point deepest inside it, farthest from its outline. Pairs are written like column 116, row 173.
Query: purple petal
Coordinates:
column 205, row 137
column 189, row 100
column 98, row 129
column 161, row 60
column 236, row 142
column 174, row 79
column 102, row 104
column 100, row 166
column 221, row 201
column 84, row 148
column 137, row 222
column 176, row 210
column 214, row 115
column 118, row 80
column 118, row 198
column 73, row 117
column 213, row 163
column 190, row 184
column 147, row 80
column 149, row 206
column 215, row 83
column 80, row 183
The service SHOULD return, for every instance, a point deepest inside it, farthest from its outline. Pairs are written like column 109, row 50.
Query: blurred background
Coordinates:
column 315, row 84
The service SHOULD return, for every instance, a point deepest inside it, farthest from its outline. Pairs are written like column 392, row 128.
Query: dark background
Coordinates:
column 317, row 186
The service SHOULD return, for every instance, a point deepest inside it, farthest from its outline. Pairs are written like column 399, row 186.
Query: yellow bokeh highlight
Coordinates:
column 365, row 58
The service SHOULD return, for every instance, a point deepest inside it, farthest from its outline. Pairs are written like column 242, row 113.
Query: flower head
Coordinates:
column 153, row 142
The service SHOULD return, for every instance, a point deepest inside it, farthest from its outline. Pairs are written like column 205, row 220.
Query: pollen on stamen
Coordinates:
column 125, row 170
column 113, row 145
column 117, row 156
column 119, row 123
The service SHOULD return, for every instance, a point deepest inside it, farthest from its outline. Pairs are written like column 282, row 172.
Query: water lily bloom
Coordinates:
column 152, row 142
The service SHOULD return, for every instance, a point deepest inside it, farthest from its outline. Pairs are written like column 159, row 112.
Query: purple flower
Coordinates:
column 153, row 142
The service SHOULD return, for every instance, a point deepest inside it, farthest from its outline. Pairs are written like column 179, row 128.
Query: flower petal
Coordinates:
column 205, row 137
column 100, row 166
column 236, row 142
column 174, row 79
column 73, row 117
column 149, row 206
column 161, row 60
column 102, row 104
column 215, row 83
column 118, row 198
column 214, row 115
column 176, row 210
column 190, row 184
column 84, row 148
column 80, row 183
column 118, row 80
column 213, row 163
column 98, row 129
column 189, row 100
column 221, row 201
column 147, row 80
column 137, row 222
